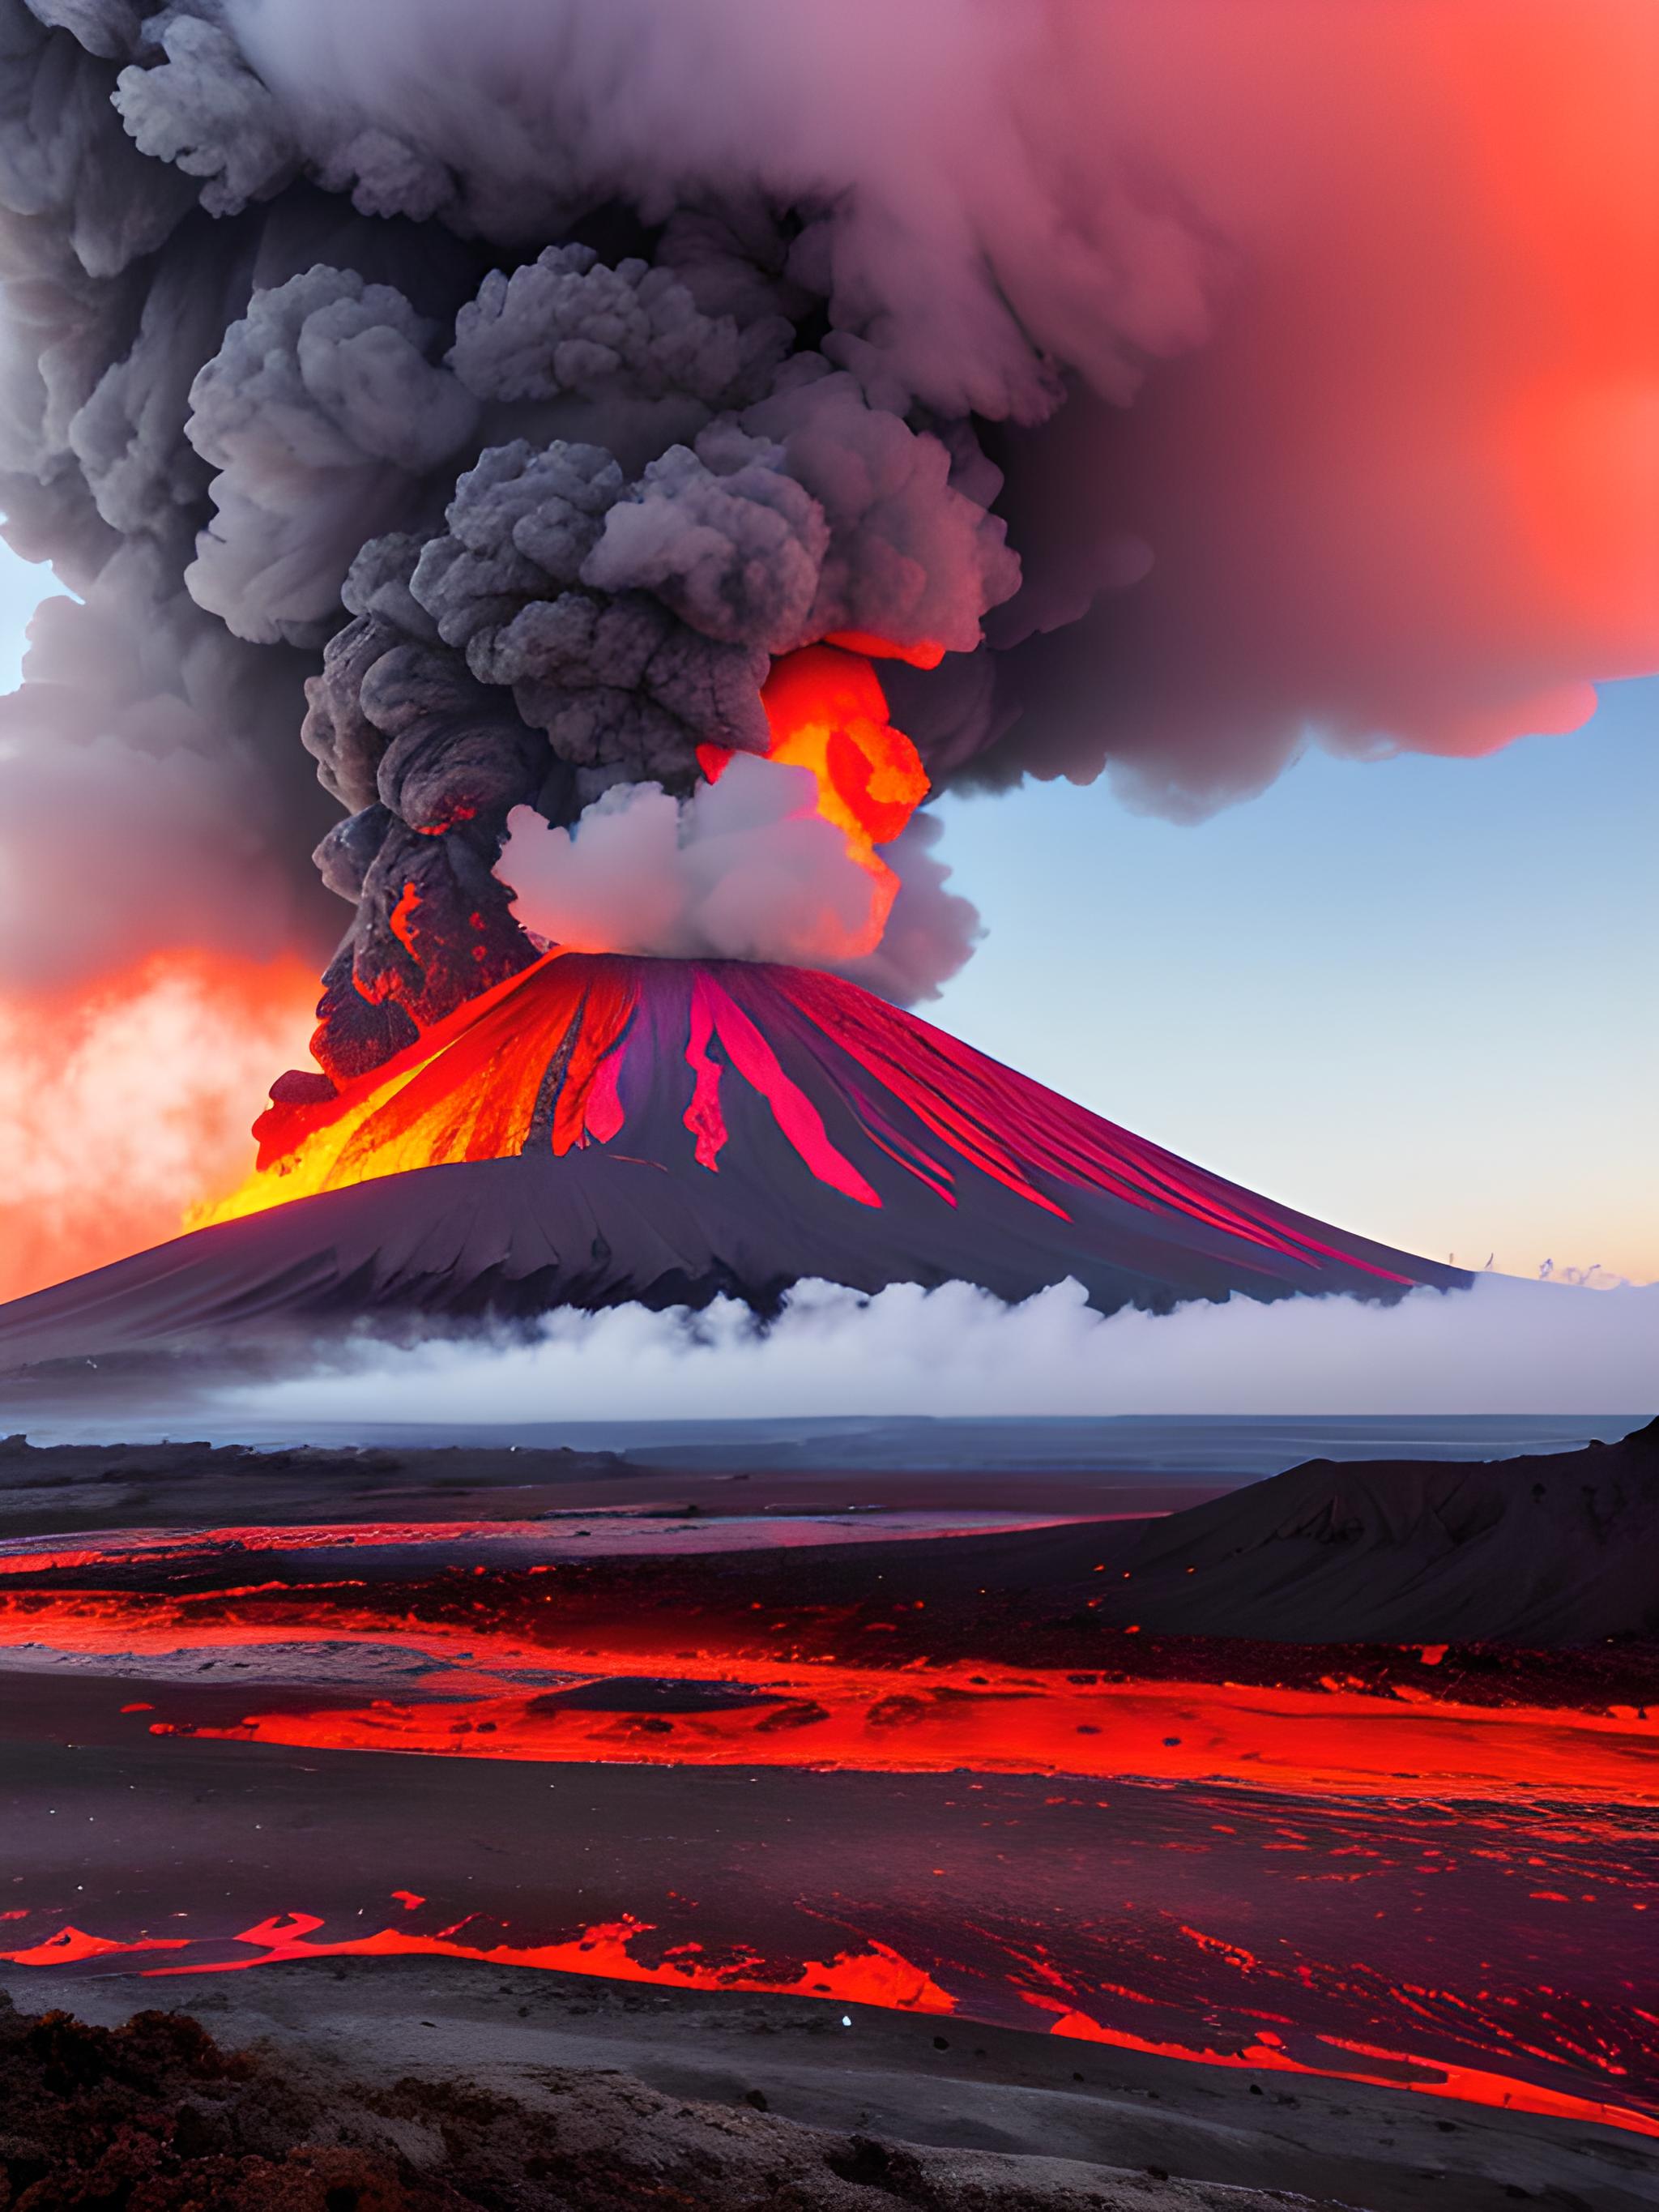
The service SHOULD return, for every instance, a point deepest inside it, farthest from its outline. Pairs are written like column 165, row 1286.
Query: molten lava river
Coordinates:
column 799, row 1754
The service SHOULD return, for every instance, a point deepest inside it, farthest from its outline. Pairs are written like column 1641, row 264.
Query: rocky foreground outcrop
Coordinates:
column 154, row 2117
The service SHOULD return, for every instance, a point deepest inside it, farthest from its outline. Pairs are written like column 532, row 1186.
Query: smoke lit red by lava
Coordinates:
column 119, row 1105
column 826, row 710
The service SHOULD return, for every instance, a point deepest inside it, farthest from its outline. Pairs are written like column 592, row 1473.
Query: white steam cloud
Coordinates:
column 1506, row 1347
column 745, row 869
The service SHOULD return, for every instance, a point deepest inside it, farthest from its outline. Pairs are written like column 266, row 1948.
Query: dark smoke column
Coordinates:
column 539, row 520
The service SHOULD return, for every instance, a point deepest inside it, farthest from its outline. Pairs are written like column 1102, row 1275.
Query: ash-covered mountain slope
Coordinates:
column 601, row 1129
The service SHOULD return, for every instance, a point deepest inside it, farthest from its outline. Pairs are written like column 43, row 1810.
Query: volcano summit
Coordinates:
column 600, row 1129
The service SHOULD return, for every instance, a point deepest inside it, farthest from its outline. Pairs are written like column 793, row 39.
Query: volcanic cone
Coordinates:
column 599, row 1129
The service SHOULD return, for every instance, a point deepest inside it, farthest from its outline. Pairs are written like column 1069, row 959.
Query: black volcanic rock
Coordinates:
column 1558, row 1549
column 599, row 1130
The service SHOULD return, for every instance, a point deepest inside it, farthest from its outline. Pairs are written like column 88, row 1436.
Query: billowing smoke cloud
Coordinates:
column 523, row 379
column 1504, row 1347
column 135, row 821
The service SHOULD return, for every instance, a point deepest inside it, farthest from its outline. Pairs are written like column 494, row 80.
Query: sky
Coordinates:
column 1413, row 997
column 22, row 587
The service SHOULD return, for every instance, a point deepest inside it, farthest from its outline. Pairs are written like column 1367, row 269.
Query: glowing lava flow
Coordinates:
column 507, row 1660
column 875, row 1976
column 875, row 1973
column 827, row 711
column 1390, row 2069
column 844, row 1719
column 689, row 1791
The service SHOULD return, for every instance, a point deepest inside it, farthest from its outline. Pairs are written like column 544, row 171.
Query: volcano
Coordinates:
column 600, row 1129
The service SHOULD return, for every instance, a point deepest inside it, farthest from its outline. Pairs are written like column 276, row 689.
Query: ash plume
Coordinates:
column 488, row 397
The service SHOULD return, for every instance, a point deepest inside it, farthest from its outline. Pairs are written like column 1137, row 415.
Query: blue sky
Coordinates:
column 21, row 589
column 1413, row 996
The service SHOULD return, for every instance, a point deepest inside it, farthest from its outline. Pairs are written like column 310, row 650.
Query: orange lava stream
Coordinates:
column 1470, row 2085
column 476, row 1103
column 813, row 1714
column 837, row 1719
column 923, row 1718
column 877, row 1976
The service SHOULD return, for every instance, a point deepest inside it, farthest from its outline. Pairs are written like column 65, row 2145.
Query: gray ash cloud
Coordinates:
column 484, row 396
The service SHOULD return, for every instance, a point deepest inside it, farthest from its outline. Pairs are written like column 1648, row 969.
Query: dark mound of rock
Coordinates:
column 1559, row 1549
